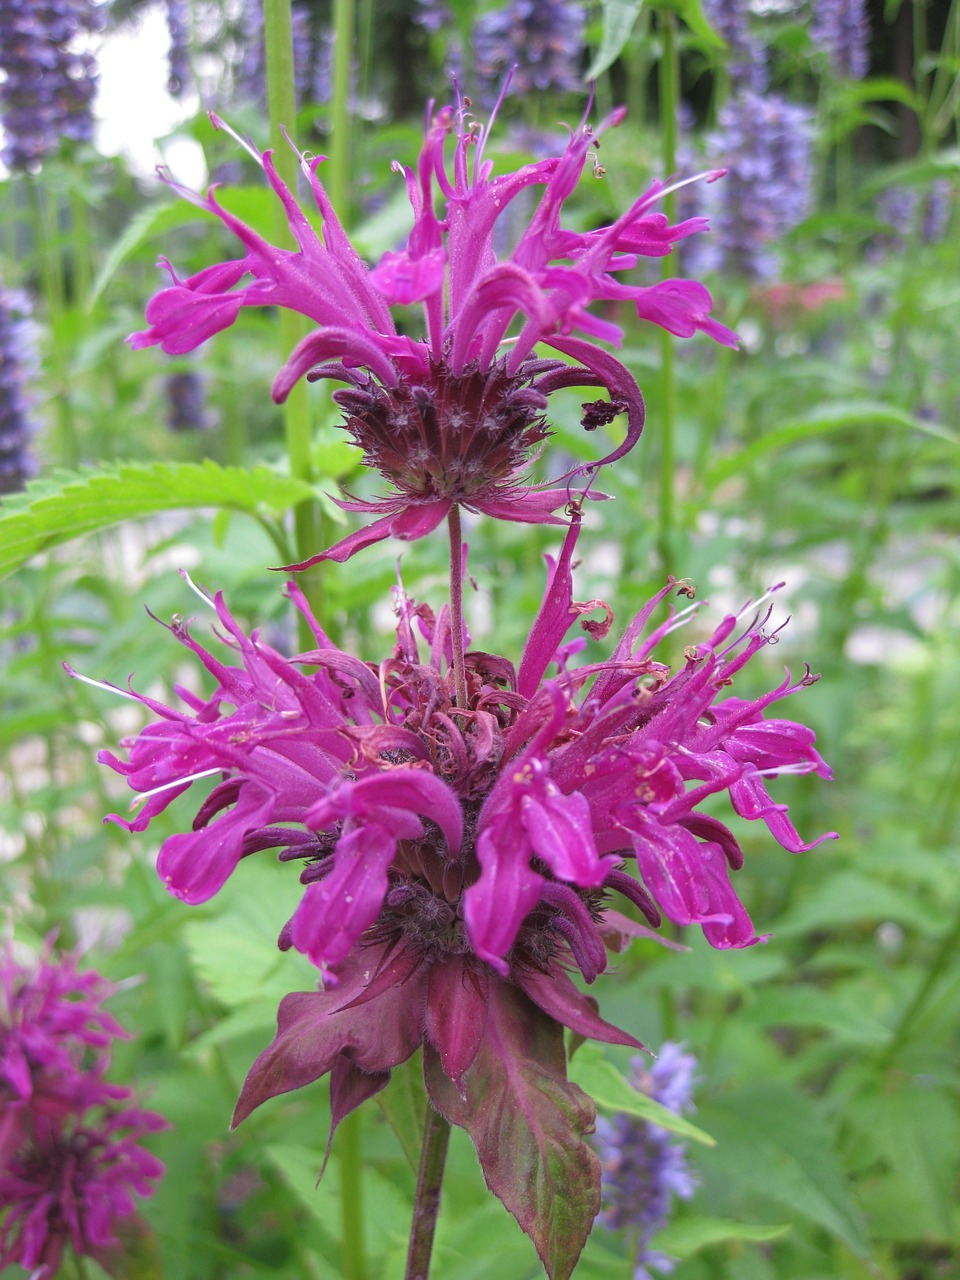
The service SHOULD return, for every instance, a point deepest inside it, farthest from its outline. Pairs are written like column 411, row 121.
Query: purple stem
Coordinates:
column 433, row 1157
column 456, row 604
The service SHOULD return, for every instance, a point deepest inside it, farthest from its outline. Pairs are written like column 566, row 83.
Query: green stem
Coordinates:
column 433, row 1158
column 351, row 1197
column 51, row 277
column 668, row 80
column 456, row 604
column 919, row 72
column 281, row 104
column 82, row 248
column 942, row 958
column 344, row 22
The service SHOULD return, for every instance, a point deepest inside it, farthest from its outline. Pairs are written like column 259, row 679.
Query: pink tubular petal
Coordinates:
column 197, row 865
column 752, row 800
column 416, row 790
column 403, row 278
column 671, row 862
column 414, row 522
column 508, row 889
column 352, row 345
column 335, row 911
column 180, row 319
column 560, row 832
column 620, row 383
column 554, row 619
column 527, row 506
column 682, row 307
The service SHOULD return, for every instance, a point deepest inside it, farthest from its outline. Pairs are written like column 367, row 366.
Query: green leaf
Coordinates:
column 611, row 1091
column 404, row 1103
column 915, row 1127
column 619, row 17
column 150, row 224
column 527, row 1123
column 388, row 1215
column 691, row 11
column 686, row 1237
column 68, row 504
column 850, row 898
column 774, row 1142
column 831, row 417
column 808, row 1006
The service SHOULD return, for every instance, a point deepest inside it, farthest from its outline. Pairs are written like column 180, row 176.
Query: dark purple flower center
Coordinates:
column 447, row 437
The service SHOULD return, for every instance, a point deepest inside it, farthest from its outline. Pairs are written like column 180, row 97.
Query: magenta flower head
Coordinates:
column 460, row 856
column 455, row 416
column 70, row 1159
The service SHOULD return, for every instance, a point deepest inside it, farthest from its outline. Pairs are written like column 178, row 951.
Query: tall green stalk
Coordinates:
column 45, row 210
column 344, row 24
column 282, row 108
column 666, row 426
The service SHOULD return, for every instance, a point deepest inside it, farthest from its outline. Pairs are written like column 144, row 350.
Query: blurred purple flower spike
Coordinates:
column 454, row 418
column 70, row 1159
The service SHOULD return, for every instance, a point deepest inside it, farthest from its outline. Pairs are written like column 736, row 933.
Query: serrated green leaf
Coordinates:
column 619, row 17
column 684, row 1238
column 74, row 503
column 611, row 1091
column 774, row 1142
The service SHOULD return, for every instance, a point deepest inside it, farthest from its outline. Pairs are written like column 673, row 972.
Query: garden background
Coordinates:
column 823, row 454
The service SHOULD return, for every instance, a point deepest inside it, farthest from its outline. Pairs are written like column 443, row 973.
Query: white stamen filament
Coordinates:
column 776, row 770
column 101, row 684
column 753, row 606
column 684, row 616
column 198, row 591
column 248, row 146
column 137, row 801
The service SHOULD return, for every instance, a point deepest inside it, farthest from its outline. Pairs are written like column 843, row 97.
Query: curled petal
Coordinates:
column 507, row 891
column 196, row 865
column 335, row 911
column 682, row 307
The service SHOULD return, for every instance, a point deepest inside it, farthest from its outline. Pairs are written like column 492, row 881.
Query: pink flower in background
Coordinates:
column 455, row 416
column 70, row 1159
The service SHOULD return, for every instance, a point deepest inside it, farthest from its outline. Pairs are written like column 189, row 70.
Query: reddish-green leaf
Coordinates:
column 527, row 1122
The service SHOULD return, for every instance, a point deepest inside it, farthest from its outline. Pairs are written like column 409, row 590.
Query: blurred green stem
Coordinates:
column 666, row 427
column 942, row 959
column 351, row 1197
column 51, row 278
column 920, row 70
column 82, row 248
column 344, row 23
column 281, row 102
